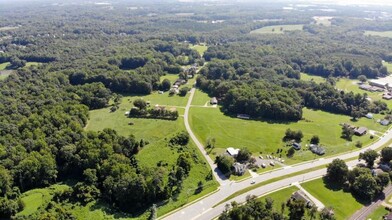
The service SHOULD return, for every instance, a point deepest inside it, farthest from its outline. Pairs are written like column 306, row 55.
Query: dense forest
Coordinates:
column 90, row 53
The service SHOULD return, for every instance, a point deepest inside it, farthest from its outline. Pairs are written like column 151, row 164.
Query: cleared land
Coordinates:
column 308, row 77
column 343, row 203
column 388, row 65
column 277, row 29
column 323, row 20
column 265, row 137
column 201, row 48
column 379, row 33
column 8, row 28
column 37, row 198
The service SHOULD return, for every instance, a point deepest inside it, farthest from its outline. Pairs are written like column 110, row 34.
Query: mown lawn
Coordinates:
column 264, row 137
column 378, row 214
column 280, row 197
column 343, row 203
column 200, row 98
column 308, row 77
column 277, row 29
column 379, row 33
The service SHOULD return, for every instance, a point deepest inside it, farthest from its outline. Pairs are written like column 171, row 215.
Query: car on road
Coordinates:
column 261, row 157
column 253, row 182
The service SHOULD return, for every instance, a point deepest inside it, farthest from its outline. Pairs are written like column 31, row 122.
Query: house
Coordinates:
column 384, row 122
column 316, row 149
column 243, row 116
column 296, row 146
column 365, row 87
column 213, row 101
column 369, row 115
column 360, row 131
column 239, row 169
column 232, row 152
column 126, row 113
column 299, row 195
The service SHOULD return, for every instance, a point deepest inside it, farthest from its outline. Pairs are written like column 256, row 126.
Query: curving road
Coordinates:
column 203, row 209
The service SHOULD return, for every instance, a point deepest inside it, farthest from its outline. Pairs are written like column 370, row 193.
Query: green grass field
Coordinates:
column 277, row 29
column 343, row 203
column 378, row 214
column 388, row 65
column 379, row 33
column 308, row 77
column 38, row 198
column 3, row 66
column 28, row 64
column 200, row 48
column 280, row 197
column 266, row 137
column 323, row 20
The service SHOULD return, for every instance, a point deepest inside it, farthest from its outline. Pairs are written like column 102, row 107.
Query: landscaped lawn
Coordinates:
column 277, row 29
column 308, row 77
column 343, row 203
column 377, row 214
column 379, row 33
column 264, row 137
column 200, row 98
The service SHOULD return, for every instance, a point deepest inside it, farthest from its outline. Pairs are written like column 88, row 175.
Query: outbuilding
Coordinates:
column 360, row 131
column 296, row 146
column 214, row 101
column 232, row 152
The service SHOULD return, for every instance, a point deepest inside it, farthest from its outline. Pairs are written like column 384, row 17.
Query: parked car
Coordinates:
column 272, row 163
column 263, row 165
column 253, row 182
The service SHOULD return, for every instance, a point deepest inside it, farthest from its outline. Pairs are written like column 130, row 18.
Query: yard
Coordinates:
column 265, row 137
column 378, row 213
column 343, row 203
column 277, row 29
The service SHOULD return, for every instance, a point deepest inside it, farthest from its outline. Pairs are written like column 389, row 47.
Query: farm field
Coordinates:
column 265, row 137
column 308, row 77
column 379, row 33
column 277, row 29
column 343, row 203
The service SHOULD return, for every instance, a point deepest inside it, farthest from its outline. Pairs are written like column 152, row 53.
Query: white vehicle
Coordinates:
column 272, row 163
column 261, row 157
column 253, row 182
column 263, row 165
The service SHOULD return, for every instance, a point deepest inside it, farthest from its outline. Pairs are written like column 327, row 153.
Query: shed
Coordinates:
column 214, row 101
column 360, row 131
column 384, row 122
column 369, row 115
column 232, row 152
column 239, row 169
column 296, row 146
column 387, row 96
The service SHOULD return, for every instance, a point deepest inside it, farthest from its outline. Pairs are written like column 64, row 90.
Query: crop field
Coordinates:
column 379, row 33
column 343, row 203
column 265, row 137
column 277, row 29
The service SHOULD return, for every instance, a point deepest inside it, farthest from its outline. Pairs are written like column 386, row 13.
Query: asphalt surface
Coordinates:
column 203, row 209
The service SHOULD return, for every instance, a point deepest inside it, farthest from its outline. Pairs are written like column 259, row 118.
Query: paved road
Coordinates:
column 218, row 175
column 367, row 210
column 203, row 208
